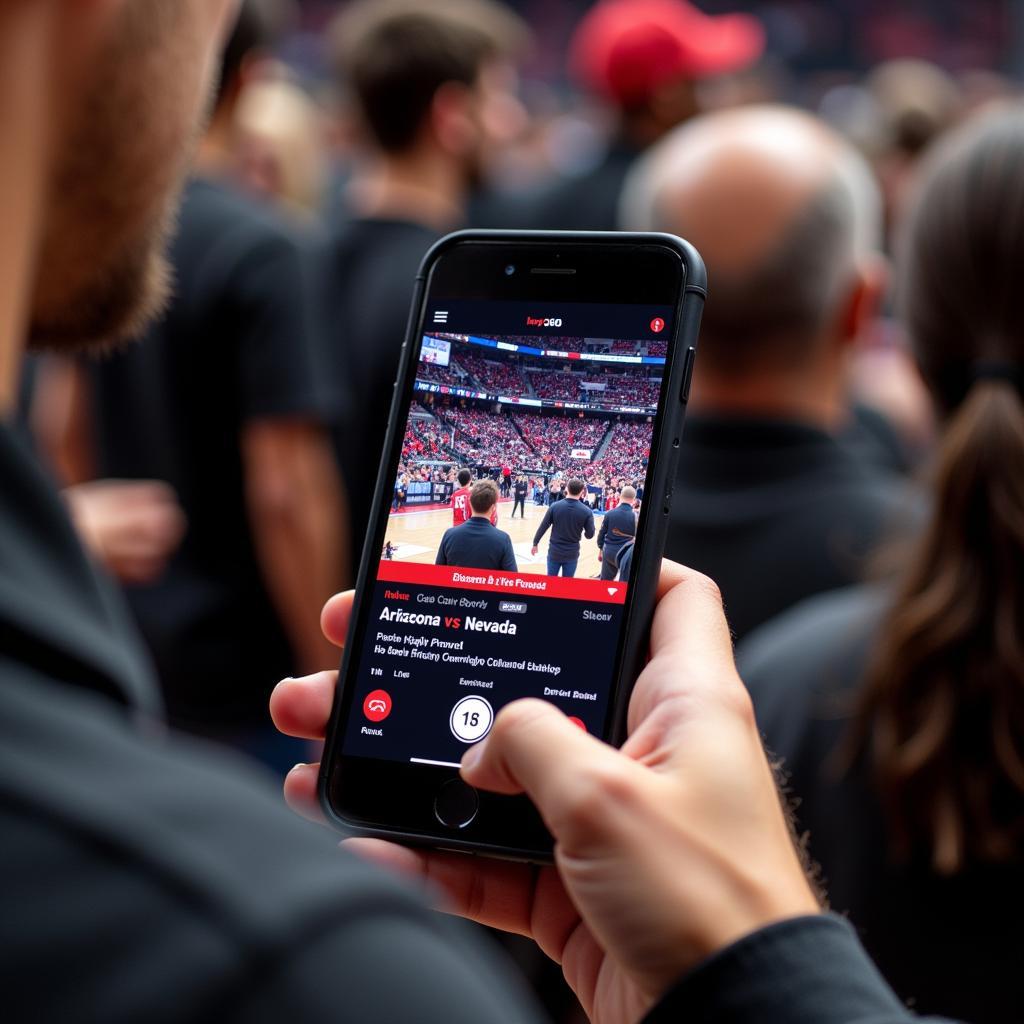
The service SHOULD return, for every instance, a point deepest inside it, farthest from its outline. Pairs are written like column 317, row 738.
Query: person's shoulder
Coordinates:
column 818, row 647
column 229, row 209
column 373, row 238
column 165, row 823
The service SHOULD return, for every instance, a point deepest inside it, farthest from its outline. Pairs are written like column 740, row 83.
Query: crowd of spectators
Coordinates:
column 528, row 441
column 623, row 389
column 553, row 438
column 495, row 377
column 487, row 438
column 628, row 451
column 426, row 439
column 452, row 374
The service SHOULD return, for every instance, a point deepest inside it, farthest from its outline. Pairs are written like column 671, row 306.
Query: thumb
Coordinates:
column 691, row 645
column 534, row 749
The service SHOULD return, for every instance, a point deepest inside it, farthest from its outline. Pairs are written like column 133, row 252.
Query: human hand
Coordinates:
column 132, row 526
column 533, row 551
column 666, row 851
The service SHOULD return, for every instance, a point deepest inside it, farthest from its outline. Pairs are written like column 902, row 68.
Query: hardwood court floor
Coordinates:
column 417, row 535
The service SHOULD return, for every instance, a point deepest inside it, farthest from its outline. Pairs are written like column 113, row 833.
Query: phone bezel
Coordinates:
column 610, row 268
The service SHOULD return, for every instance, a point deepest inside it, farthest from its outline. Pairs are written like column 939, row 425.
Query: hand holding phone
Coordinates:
column 562, row 356
column 667, row 850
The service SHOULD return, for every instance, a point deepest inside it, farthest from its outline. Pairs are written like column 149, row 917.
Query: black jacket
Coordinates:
column 568, row 520
column 776, row 511
column 617, row 527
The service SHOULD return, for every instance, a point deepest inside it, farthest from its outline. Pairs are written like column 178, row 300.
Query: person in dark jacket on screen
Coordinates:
column 568, row 520
column 478, row 543
column 618, row 528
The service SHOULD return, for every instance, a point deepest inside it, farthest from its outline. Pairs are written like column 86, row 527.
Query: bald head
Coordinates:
column 783, row 212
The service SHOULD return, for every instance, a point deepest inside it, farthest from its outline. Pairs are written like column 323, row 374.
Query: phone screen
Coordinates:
column 515, row 501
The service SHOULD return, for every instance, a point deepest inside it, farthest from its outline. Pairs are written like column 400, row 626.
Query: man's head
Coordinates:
column 627, row 496
column 788, row 219
column 483, row 497
column 257, row 27
column 575, row 488
column 646, row 56
column 131, row 82
column 464, row 477
column 431, row 75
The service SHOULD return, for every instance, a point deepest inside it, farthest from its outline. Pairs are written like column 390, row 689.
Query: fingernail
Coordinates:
column 472, row 757
column 287, row 679
column 301, row 764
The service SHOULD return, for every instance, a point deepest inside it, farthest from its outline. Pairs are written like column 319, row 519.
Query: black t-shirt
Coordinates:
column 589, row 202
column 148, row 878
column 370, row 275
column 238, row 344
column 952, row 945
column 776, row 511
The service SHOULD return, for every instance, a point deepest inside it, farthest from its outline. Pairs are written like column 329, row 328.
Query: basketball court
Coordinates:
column 417, row 535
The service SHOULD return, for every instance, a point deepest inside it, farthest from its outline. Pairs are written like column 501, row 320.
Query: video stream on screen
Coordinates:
column 540, row 418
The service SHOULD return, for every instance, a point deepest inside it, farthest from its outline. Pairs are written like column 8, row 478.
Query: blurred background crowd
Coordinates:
column 856, row 428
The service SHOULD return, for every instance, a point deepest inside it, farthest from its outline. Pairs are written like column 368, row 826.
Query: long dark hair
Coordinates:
column 941, row 715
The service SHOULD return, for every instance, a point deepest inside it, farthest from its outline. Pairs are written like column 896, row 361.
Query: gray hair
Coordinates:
column 787, row 295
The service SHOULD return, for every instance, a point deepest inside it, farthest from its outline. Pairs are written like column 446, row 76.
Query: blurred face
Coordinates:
column 498, row 116
column 119, row 165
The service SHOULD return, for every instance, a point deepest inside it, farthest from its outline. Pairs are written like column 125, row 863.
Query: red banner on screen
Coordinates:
column 524, row 584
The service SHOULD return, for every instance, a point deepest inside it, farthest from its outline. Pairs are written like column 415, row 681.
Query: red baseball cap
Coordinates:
column 625, row 49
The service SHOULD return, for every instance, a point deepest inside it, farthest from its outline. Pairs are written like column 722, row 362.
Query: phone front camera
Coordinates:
column 510, row 270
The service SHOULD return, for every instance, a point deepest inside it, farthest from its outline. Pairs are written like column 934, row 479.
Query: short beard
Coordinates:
column 115, row 307
column 103, row 274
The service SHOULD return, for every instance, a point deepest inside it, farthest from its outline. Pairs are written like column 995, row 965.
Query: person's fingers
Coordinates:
column 671, row 573
column 499, row 894
column 534, row 748
column 300, row 792
column 692, row 662
column 302, row 707
column 335, row 617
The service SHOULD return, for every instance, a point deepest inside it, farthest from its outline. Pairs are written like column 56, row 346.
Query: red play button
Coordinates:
column 657, row 325
column 377, row 705
column 578, row 722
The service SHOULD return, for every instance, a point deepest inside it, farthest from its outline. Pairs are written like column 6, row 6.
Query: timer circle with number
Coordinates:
column 471, row 719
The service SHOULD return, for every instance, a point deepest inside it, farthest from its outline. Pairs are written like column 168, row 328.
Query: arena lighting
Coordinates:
column 550, row 353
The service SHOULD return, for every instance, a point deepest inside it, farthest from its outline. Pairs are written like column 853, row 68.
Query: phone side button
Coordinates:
column 456, row 804
column 691, row 358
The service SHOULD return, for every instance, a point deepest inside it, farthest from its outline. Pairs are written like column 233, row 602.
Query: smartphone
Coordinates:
column 557, row 366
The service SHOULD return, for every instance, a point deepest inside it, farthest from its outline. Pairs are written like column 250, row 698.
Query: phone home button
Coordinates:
column 456, row 804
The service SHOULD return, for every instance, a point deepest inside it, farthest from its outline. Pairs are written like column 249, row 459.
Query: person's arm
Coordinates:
column 639, row 926
column 603, row 532
column 298, row 517
column 804, row 969
column 588, row 530
column 545, row 525
column 442, row 555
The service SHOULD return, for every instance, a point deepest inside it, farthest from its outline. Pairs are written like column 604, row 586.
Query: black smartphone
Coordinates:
column 557, row 367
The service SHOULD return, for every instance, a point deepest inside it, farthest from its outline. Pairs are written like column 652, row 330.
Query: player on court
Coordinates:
column 461, row 510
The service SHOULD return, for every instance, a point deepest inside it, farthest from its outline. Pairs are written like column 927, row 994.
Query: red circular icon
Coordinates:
column 377, row 705
column 578, row 722
column 657, row 325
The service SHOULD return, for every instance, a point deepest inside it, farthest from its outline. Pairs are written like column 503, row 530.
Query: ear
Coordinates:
column 864, row 298
column 451, row 118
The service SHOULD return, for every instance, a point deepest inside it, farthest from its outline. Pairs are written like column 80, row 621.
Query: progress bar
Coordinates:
column 440, row 764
